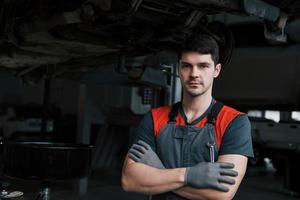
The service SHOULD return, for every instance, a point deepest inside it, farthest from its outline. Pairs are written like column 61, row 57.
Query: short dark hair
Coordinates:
column 201, row 43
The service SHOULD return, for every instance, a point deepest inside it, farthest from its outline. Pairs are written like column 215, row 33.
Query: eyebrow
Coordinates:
column 201, row 63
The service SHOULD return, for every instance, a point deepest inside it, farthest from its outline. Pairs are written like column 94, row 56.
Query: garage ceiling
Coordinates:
column 68, row 38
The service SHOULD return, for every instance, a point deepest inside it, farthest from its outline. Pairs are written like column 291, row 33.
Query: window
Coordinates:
column 255, row 113
column 272, row 114
column 296, row 115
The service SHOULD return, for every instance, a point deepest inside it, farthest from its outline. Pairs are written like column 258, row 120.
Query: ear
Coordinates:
column 217, row 70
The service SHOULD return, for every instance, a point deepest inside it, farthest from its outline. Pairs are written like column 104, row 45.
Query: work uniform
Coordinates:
column 220, row 130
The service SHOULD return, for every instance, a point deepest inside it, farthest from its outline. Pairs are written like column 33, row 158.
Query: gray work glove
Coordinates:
column 209, row 175
column 142, row 153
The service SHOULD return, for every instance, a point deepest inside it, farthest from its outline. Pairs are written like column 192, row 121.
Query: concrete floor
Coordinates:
column 259, row 183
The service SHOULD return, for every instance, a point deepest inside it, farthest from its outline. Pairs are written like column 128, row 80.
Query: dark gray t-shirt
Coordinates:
column 236, row 139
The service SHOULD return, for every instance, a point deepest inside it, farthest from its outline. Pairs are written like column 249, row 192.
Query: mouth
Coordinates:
column 194, row 84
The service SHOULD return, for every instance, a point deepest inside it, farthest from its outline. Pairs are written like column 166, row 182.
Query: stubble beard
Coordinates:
column 195, row 92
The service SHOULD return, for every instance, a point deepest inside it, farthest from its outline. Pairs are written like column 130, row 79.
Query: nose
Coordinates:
column 194, row 73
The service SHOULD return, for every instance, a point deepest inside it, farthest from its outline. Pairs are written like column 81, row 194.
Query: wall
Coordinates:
column 261, row 76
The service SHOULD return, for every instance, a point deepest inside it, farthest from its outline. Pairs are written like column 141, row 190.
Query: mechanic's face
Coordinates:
column 197, row 72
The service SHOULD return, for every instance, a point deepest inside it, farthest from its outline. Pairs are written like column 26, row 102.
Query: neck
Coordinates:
column 194, row 107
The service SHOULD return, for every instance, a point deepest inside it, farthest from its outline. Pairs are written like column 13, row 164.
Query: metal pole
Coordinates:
column 46, row 101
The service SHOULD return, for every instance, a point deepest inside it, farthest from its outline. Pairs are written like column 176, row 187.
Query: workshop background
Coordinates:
column 77, row 76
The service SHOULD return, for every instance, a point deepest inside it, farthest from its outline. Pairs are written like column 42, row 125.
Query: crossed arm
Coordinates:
column 141, row 178
column 240, row 163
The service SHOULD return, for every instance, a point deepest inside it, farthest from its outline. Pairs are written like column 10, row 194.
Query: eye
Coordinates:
column 204, row 66
column 185, row 65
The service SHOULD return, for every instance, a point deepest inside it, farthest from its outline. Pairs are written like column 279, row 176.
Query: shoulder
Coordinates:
column 226, row 116
column 237, row 136
column 233, row 120
column 160, row 117
column 161, row 113
column 229, row 113
column 161, row 110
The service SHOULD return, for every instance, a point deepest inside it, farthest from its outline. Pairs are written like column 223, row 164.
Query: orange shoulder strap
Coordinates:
column 225, row 117
column 160, row 118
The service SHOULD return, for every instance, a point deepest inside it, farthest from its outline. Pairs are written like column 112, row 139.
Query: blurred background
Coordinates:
column 77, row 76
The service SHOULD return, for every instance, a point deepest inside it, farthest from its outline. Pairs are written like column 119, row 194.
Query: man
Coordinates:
column 196, row 149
